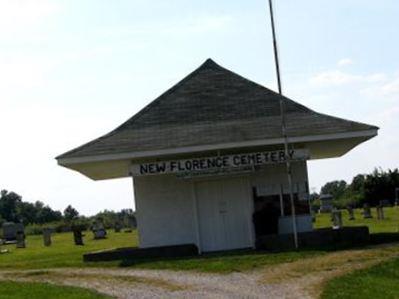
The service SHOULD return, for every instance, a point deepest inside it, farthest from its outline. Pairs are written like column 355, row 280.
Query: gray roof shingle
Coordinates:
column 210, row 106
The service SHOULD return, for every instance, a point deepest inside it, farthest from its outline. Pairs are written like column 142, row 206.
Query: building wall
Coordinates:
column 271, row 178
column 166, row 211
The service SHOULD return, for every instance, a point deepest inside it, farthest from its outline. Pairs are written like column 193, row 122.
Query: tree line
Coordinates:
column 37, row 215
column 380, row 185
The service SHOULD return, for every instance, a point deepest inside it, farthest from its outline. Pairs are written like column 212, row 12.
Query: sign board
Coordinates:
column 215, row 164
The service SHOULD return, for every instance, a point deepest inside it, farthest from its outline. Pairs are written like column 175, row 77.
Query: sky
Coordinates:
column 73, row 70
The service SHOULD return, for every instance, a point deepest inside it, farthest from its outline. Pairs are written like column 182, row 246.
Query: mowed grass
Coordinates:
column 389, row 225
column 227, row 262
column 378, row 282
column 32, row 290
column 63, row 252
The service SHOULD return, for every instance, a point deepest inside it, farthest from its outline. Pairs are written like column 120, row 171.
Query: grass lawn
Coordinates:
column 381, row 281
column 23, row 290
column 63, row 252
column 238, row 261
column 389, row 225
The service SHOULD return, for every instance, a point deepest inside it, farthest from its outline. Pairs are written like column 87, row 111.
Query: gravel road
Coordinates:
column 126, row 284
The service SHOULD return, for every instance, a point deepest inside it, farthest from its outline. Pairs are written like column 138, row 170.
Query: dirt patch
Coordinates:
column 309, row 275
column 300, row 279
column 57, row 276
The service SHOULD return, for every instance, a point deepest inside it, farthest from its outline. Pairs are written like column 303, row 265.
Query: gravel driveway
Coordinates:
column 125, row 284
column 296, row 280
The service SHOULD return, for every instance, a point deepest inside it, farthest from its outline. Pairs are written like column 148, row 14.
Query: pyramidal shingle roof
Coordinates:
column 211, row 106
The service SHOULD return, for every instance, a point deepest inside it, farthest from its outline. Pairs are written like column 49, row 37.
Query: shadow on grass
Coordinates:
column 205, row 256
column 241, row 260
column 384, row 238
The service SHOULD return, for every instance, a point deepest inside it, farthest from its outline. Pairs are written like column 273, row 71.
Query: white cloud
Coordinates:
column 391, row 88
column 345, row 62
column 386, row 87
column 391, row 113
column 333, row 78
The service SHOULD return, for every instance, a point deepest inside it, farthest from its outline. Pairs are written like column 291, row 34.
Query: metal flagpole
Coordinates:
column 283, row 128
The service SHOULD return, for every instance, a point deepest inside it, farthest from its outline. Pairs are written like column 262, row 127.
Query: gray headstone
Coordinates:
column 336, row 219
column 367, row 211
column 20, row 240
column 2, row 242
column 99, row 231
column 380, row 213
column 351, row 213
column 10, row 230
column 47, row 236
column 78, row 237
column 100, row 234
column 118, row 227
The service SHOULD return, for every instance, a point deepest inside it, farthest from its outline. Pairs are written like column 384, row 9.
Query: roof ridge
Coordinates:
column 209, row 63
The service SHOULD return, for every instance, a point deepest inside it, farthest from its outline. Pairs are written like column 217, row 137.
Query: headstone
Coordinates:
column 351, row 213
column 47, row 237
column 20, row 240
column 385, row 203
column 100, row 234
column 77, row 236
column 336, row 219
column 313, row 217
column 118, row 226
column 1, row 247
column 367, row 211
column 99, row 231
column 10, row 230
column 326, row 203
column 380, row 212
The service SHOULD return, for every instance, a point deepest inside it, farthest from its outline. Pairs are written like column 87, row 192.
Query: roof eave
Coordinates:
column 66, row 161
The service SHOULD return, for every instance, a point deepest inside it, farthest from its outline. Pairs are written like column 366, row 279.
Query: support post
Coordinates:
column 283, row 128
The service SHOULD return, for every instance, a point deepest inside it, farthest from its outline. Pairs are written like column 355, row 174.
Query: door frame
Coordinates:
column 249, row 207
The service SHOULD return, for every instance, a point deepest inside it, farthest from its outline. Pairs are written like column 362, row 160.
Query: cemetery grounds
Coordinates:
column 59, row 272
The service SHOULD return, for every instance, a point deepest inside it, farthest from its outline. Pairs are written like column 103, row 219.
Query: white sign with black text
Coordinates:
column 215, row 163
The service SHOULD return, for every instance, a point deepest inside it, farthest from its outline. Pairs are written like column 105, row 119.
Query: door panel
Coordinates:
column 224, row 217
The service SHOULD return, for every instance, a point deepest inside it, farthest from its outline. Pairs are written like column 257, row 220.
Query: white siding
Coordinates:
column 165, row 211
column 271, row 178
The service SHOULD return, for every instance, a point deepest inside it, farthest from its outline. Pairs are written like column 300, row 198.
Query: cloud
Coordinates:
column 391, row 113
column 333, row 78
column 391, row 88
column 345, row 62
column 387, row 87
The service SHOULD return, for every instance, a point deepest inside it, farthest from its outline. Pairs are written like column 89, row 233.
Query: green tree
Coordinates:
column 335, row 188
column 8, row 205
column 380, row 185
column 27, row 212
column 70, row 213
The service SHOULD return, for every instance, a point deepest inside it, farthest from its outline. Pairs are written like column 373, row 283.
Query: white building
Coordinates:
column 207, row 160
